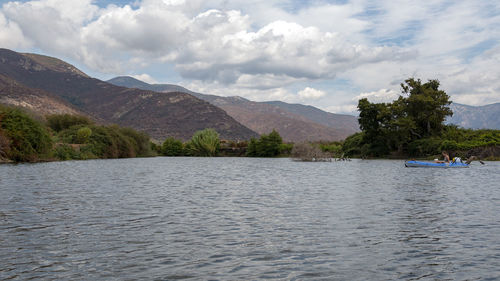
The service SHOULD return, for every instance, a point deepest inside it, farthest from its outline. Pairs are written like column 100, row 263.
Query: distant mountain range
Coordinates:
column 49, row 85
column 294, row 122
column 476, row 117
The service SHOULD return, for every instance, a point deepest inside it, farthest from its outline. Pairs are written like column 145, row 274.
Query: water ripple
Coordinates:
column 248, row 219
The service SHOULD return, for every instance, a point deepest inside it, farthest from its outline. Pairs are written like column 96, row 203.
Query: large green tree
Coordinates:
column 418, row 113
column 426, row 105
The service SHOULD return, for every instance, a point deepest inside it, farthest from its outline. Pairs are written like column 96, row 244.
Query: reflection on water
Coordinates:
column 247, row 219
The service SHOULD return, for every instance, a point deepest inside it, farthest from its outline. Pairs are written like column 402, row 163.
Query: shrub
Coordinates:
column 59, row 122
column 204, row 143
column 286, row 148
column 172, row 147
column 83, row 134
column 28, row 139
column 107, row 141
column 352, row 144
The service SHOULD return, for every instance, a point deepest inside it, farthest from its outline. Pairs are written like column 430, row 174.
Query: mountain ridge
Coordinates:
column 475, row 117
column 161, row 115
column 263, row 117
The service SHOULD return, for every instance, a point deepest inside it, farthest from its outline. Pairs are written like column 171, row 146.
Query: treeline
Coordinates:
column 413, row 125
column 208, row 143
column 26, row 138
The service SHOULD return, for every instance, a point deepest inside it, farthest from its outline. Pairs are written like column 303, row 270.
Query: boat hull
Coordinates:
column 422, row 164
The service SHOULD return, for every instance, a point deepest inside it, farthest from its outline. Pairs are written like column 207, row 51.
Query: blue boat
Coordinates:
column 423, row 164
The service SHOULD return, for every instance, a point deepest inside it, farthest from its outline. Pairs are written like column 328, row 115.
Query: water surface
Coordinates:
column 248, row 219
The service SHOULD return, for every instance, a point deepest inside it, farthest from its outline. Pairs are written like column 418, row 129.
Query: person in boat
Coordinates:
column 445, row 156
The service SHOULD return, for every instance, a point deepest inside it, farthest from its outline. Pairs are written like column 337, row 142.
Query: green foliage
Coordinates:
column 24, row 139
column 418, row 114
column 68, row 152
column 252, row 147
column 334, row 148
column 139, row 140
column 266, row 146
column 286, row 148
column 204, row 143
column 426, row 105
column 108, row 141
column 27, row 139
column 425, row 147
column 59, row 122
column 83, row 134
column 352, row 144
column 172, row 147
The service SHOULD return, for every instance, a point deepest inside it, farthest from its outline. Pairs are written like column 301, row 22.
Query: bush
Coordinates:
column 286, row 148
column 172, row 147
column 108, row 141
column 352, row 144
column 59, row 122
column 83, row 134
column 204, row 143
column 28, row 139
column 335, row 148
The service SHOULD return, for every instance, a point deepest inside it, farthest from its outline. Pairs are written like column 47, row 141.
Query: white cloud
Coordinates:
column 11, row 35
column 382, row 95
column 263, row 49
column 145, row 78
column 344, row 109
column 310, row 94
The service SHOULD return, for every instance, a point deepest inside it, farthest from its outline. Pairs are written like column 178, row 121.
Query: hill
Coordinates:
column 294, row 122
column 160, row 115
column 35, row 100
column 476, row 117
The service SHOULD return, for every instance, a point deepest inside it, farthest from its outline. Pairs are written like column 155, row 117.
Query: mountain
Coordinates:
column 35, row 100
column 294, row 122
column 476, row 117
column 130, row 82
column 161, row 115
column 347, row 123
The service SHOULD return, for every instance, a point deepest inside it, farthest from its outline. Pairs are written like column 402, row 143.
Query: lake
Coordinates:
column 248, row 219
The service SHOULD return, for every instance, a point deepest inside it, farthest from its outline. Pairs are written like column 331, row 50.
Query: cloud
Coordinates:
column 310, row 94
column 11, row 35
column 382, row 95
column 145, row 77
column 212, row 45
column 268, row 49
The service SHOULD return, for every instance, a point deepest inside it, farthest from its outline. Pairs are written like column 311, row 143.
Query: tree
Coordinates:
column 418, row 113
column 269, row 145
column 426, row 105
column 205, row 143
column 172, row 147
column 252, row 147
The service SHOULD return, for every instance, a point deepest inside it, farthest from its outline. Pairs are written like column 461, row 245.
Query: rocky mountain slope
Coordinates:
column 35, row 100
column 476, row 117
column 159, row 114
column 294, row 122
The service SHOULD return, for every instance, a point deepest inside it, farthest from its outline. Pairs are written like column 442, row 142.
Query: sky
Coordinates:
column 322, row 53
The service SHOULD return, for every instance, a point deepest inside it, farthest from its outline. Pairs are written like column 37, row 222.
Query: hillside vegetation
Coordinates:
column 64, row 137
